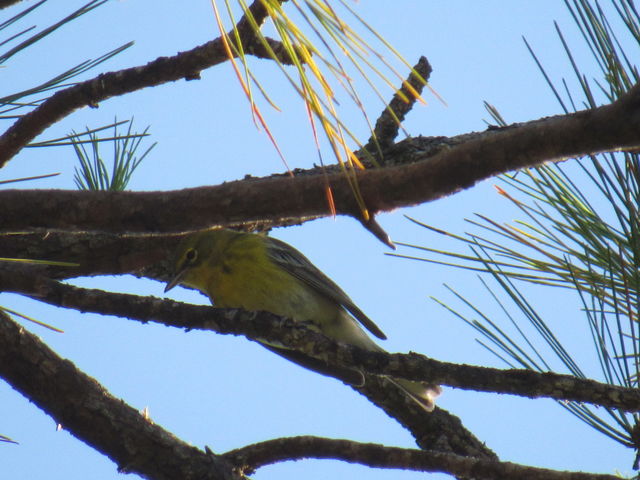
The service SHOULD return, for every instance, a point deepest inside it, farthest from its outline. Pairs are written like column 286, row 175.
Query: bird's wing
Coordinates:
column 296, row 264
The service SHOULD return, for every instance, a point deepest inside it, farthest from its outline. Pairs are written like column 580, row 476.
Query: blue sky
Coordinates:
column 227, row 392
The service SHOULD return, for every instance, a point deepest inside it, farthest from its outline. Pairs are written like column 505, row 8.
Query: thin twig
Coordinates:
column 389, row 121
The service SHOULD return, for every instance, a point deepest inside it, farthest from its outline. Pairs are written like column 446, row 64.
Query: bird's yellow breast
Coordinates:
column 243, row 276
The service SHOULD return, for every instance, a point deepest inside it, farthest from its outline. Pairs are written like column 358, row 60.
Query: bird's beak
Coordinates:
column 175, row 280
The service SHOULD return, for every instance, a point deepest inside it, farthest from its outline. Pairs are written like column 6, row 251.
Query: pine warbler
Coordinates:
column 259, row 273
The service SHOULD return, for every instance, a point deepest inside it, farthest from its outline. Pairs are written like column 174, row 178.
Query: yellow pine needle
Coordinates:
column 413, row 92
column 435, row 93
column 329, row 194
column 392, row 50
column 331, row 136
column 505, row 194
column 33, row 320
column 254, row 108
column 293, row 54
column 323, row 6
column 355, row 160
column 401, row 94
column 328, row 91
column 227, row 48
column 312, row 47
column 313, row 126
column 513, row 233
column 308, row 61
column 380, row 38
column 315, row 106
column 341, row 140
column 364, row 75
column 524, row 233
column 327, row 188
column 239, row 49
column 314, row 131
column 522, row 207
column 272, row 139
column 4, row 438
column 25, row 179
column 353, row 181
column 271, row 53
column 339, row 74
column 53, row 263
column 351, row 158
column 264, row 93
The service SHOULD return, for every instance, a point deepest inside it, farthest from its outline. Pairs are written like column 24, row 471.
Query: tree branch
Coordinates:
column 388, row 123
column 84, row 408
column 252, row 457
column 87, row 411
column 439, row 430
column 95, row 253
column 458, row 164
column 185, row 65
column 8, row 3
column 269, row 327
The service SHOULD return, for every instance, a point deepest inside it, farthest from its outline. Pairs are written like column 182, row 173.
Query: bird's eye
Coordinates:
column 191, row 255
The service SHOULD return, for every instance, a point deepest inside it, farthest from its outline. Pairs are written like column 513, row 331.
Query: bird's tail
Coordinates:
column 423, row 393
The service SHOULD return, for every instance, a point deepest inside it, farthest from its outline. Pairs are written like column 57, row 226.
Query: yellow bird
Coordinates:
column 259, row 273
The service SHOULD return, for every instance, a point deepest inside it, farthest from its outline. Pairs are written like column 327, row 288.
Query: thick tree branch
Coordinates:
column 8, row 3
column 185, row 65
column 459, row 164
column 252, row 457
column 439, row 430
column 94, row 253
column 87, row 411
column 265, row 326
column 83, row 407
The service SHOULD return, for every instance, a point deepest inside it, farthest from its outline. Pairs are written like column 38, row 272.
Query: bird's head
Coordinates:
column 194, row 253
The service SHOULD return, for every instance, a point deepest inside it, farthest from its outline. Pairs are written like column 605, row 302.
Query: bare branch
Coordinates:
column 95, row 253
column 387, row 126
column 86, row 410
column 8, row 3
column 439, row 430
column 252, row 457
column 269, row 327
column 461, row 163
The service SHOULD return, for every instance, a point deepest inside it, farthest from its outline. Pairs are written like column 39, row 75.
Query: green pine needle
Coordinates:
column 93, row 172
column 580, row 230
